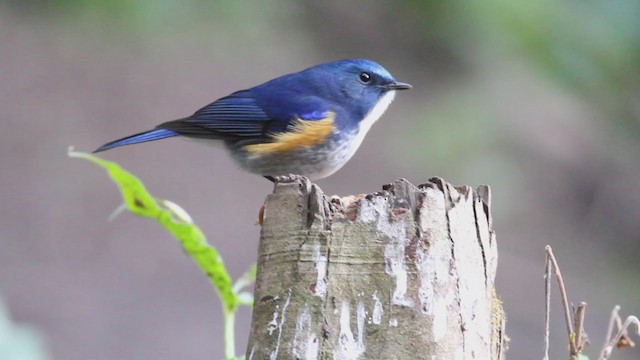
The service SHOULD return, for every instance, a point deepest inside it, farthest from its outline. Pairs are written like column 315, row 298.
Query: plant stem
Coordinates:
column 229, row 334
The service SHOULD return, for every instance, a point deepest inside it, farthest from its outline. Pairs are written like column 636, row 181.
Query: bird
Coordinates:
column 308, row 123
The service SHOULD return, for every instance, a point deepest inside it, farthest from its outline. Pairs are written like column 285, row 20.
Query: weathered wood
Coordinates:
column 406, row 273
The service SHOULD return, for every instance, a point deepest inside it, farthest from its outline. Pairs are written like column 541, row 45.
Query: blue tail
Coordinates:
column 150, row 135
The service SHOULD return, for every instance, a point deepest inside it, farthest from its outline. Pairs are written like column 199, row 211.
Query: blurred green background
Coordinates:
column 539, row 99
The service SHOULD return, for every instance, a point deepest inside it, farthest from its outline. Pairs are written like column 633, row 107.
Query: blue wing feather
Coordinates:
column 236, row 115
column 248, row 115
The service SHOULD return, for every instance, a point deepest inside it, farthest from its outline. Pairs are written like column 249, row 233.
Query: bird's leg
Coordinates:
column 289, row 178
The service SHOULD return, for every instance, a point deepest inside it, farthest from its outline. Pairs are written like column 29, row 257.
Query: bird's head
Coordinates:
column 359, row 84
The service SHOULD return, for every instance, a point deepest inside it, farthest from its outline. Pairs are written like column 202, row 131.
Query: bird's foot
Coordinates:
column 289, row 178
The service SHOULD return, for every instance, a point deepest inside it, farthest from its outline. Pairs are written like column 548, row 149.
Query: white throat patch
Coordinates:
column 371, row 118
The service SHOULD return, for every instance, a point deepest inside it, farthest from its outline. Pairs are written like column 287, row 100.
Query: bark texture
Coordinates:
column 405, row 273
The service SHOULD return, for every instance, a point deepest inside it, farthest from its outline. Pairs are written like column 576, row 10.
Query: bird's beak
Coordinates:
column 397, row 85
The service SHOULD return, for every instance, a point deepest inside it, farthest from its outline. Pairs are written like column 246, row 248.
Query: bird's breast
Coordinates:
column 315, row 162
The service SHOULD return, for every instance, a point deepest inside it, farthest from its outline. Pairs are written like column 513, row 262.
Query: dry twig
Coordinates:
column 577, row 340
column 621, row 339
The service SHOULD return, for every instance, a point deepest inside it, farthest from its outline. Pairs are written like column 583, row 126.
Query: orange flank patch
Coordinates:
column 301, row 134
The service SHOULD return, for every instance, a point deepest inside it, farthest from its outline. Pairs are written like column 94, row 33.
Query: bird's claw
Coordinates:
column 289, row 178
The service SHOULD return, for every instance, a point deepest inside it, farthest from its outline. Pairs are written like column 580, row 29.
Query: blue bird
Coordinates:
column 306, row 123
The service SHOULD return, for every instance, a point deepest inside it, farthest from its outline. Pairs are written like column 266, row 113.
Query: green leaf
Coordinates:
column 175, row 220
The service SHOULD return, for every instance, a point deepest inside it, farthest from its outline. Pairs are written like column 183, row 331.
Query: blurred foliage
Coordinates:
column 19, row 342
column 592, row 47
column 157, row 16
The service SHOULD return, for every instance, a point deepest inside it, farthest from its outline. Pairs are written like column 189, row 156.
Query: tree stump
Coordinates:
column 405, row 273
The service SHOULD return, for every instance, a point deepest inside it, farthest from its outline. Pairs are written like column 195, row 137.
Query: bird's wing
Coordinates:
column 241, row 117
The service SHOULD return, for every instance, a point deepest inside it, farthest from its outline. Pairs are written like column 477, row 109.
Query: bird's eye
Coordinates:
column 365, row 77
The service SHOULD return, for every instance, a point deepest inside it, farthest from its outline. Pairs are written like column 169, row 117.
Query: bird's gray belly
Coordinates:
column 315, row 162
